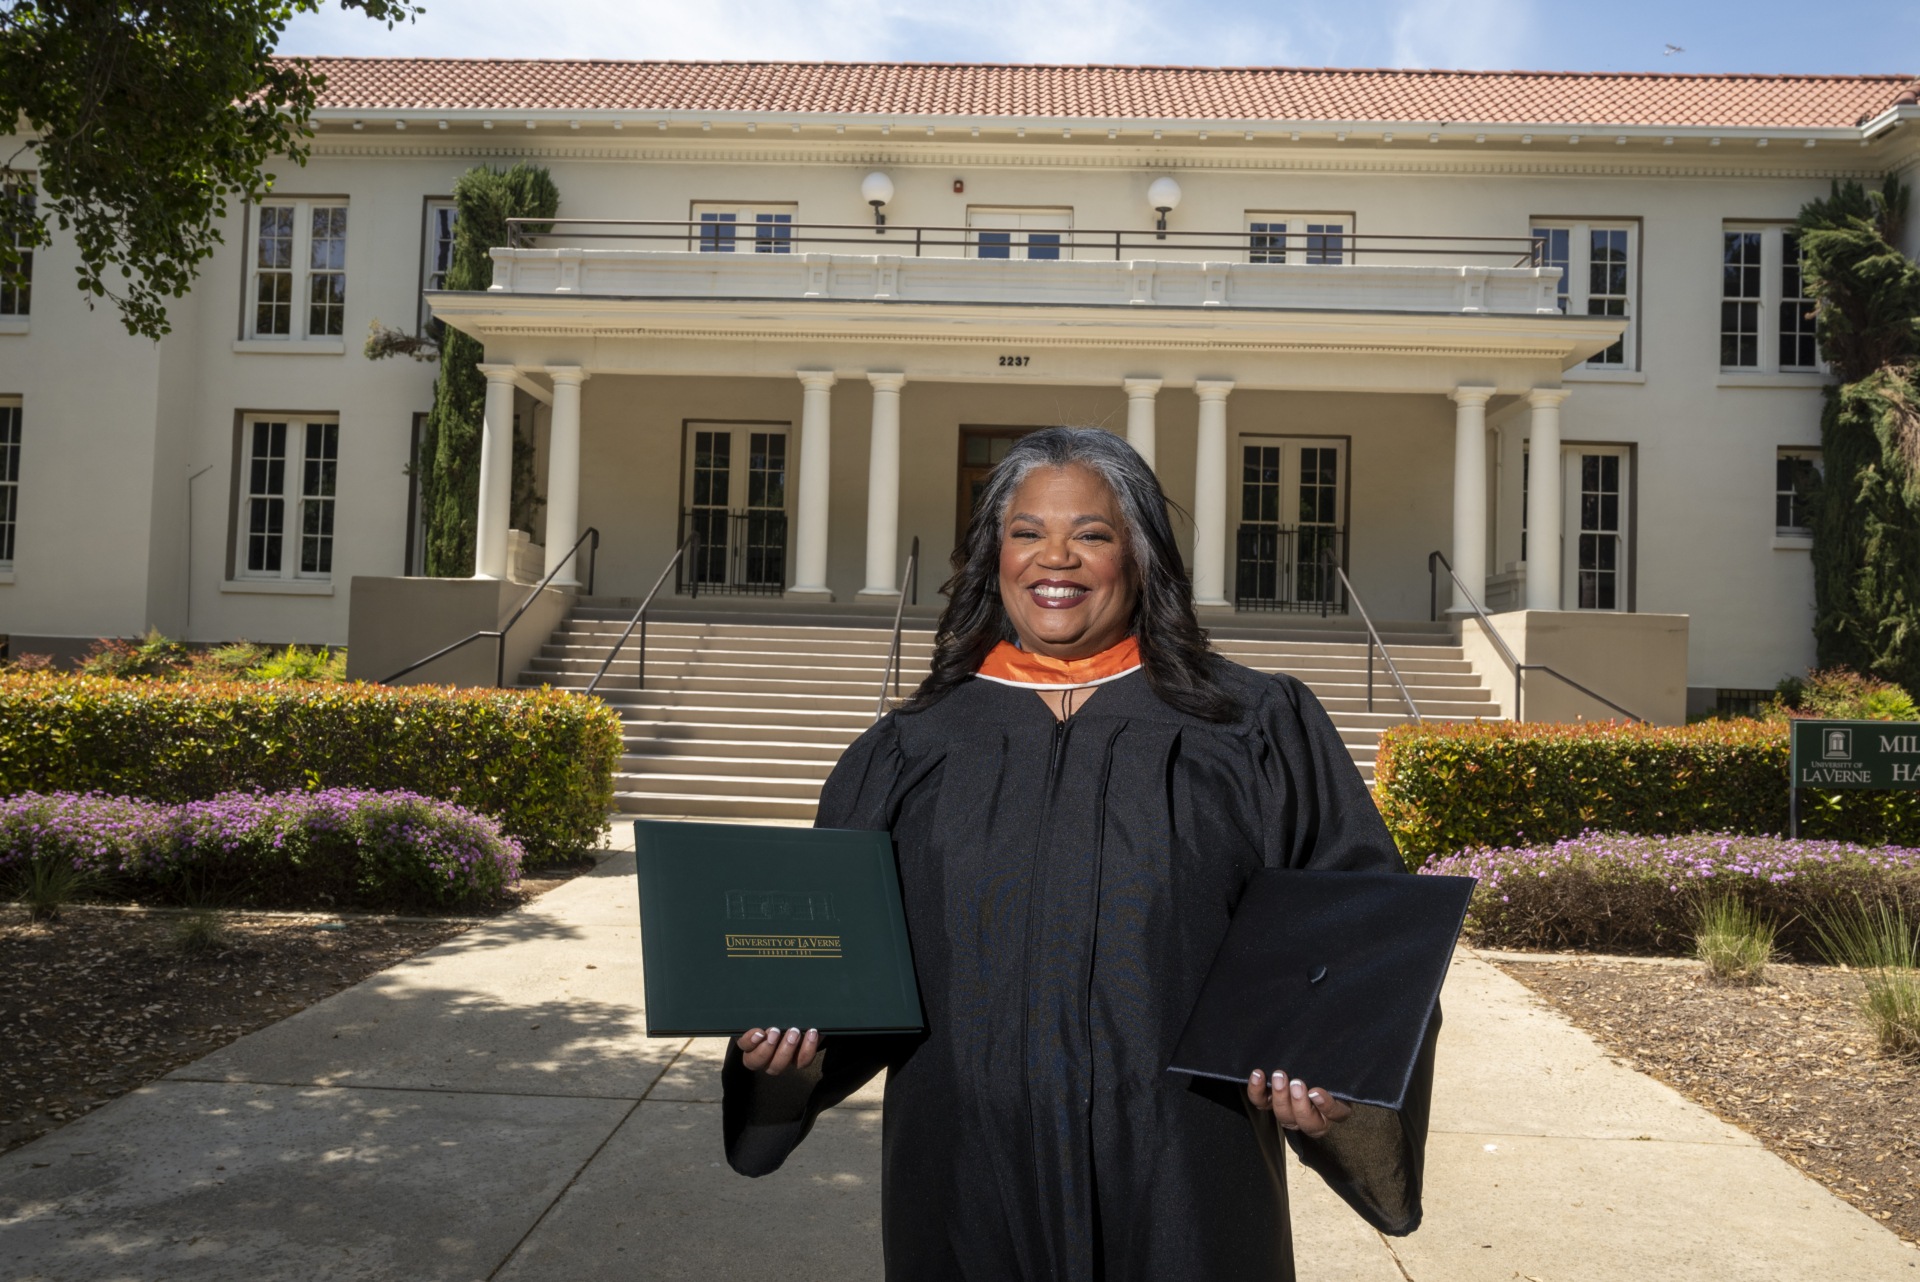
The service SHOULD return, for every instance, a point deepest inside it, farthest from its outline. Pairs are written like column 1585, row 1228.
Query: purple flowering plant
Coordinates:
column 334, row 848
column 1627, row 893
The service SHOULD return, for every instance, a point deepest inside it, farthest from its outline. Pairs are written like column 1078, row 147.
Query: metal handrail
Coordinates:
column 499, row 635
column 1393, row 669
column 1512, row 659
column 639, row 618
column 910, row 579
column 522, row 233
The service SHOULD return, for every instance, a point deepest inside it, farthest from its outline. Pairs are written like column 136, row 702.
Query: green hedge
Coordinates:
column 1444, row 787
column 541, row 762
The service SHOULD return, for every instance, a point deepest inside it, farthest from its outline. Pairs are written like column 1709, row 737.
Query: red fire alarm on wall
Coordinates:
column 959, row 186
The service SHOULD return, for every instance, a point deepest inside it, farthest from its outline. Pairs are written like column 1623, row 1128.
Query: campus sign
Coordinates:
column 1883, row 756
column 1879, row 755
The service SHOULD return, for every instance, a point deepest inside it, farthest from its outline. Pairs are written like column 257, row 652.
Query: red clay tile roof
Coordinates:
column 985, row 90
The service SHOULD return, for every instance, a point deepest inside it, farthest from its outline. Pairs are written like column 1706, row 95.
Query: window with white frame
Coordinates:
column 289, row 471
column 436, row 256
column 1796, row 474
column 1766, row 321
column 9, row 477
column 734, row 228
column 297, row 269
column 1007, row 232
column 1599, row 276
column 16, row 293
column 1299, row 238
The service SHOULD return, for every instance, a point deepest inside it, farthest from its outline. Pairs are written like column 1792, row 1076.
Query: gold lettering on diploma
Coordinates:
column 783, row 945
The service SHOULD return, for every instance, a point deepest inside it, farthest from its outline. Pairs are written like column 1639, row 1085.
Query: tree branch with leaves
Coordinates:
column 138, row 123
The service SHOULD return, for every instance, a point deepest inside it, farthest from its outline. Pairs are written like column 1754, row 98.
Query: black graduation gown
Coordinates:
column 1067, row 885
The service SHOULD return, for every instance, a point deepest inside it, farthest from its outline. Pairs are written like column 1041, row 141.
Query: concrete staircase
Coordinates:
column 744, row 713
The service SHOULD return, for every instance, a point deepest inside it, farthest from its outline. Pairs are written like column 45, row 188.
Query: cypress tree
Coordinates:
column 1866, row 511
column 484, row 198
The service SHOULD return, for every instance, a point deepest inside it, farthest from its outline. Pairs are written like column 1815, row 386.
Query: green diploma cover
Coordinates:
column 744, row 926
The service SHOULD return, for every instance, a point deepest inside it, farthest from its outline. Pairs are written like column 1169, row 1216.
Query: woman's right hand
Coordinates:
column 773, row 1052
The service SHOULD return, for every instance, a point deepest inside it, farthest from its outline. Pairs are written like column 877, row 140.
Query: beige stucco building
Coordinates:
column 1344, row 313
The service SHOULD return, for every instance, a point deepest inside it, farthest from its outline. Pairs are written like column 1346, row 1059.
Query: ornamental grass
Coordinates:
column 1609, row 892
column 333, row 848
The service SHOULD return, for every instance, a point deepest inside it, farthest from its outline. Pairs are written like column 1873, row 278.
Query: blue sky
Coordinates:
column 1839, row 36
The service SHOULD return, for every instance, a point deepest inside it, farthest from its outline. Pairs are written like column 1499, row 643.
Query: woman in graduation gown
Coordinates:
column 1077, row 795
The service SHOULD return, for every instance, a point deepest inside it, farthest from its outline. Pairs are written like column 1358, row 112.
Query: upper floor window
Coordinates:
column 730, row 227
column 297, row 275
column 287, row 496
column 1796, row 473
column 9, row 477
column 1766, row 322
column 1299, row 238
column 16, row 293
column 1599, row 276
column 1005, row 232
column 436, row 256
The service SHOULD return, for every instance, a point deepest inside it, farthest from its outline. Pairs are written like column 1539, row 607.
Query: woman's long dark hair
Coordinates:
column 1173, row 648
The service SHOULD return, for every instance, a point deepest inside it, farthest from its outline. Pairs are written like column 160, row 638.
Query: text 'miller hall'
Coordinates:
column 1548, row 325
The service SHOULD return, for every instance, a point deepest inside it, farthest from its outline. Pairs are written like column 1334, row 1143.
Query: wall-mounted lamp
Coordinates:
column 877, row 190
column 1164, row 195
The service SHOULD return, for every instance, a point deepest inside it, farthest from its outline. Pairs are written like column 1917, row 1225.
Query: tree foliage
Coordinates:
column 484, row 199
column 1866, row 515
column 142, row 121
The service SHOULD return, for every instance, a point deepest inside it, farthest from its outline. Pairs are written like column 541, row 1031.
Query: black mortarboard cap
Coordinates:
column 1330, row 977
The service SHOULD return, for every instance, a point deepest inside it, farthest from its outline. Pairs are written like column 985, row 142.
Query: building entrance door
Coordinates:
column 980, row 449
column 736, row 501
column 1293, row 524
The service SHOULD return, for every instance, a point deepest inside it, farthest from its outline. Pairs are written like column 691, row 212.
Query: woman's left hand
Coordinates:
column 1295, row 1105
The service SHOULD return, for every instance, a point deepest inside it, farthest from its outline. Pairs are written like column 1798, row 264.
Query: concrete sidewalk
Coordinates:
column 492, row 1109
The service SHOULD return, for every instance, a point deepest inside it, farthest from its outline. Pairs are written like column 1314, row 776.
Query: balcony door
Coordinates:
column 1293, row 523
column 981, row 449
column 1020, row 233
column 736, row 501
column 1595, row 553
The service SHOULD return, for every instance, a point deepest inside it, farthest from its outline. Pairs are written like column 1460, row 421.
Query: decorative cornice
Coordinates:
column 1358, row 158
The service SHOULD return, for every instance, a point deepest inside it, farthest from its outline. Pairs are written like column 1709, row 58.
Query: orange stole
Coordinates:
column 1009, row 665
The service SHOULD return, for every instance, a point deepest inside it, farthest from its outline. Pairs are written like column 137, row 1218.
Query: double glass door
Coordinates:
column 1292, row 531
column 736, row 487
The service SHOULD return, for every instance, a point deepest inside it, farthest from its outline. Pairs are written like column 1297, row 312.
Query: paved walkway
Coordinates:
column 492, row 1109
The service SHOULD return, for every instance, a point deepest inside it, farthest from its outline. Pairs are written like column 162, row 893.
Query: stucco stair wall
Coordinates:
column 744, row 713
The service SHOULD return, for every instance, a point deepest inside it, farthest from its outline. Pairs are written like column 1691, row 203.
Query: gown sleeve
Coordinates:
column 1323, row 818
column 763, row 1119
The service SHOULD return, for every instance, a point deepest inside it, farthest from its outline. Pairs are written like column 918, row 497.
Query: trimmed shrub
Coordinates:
column 335, row 848
column 539, row 761
column 1447, row 786
column 1617, row 893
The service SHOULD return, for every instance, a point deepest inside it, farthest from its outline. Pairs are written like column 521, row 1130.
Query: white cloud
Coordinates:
column 1123, row 31
column 1478, row 34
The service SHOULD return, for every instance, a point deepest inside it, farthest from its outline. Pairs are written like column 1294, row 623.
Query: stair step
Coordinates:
column 714, row 805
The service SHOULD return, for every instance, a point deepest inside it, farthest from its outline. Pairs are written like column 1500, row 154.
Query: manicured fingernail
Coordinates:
column 813, row 1034
column 793, row 1035
column 1258, row 1077
column 1299, row 1090
column 758, row 1037
column 773, row 1034
column 1279, row 1080
column 1316, row 1097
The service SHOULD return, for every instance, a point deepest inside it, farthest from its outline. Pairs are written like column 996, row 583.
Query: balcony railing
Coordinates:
column 742, row 552
column 1071, row 244
column 1290, row 567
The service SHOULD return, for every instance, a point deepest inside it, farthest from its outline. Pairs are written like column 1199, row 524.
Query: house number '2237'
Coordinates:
column 1014, row 360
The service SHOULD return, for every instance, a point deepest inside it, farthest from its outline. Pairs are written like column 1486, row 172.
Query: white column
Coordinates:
column 883, row 488
column 1543, row 499
column 563, row 473
column 496, row 476
column 1470, row 493
column 1210, row 495
column 810, row 526
column 1140, row 394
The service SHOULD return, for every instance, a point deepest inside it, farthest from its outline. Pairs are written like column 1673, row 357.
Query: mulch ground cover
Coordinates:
column 103, row 1000
column 1790, row 1061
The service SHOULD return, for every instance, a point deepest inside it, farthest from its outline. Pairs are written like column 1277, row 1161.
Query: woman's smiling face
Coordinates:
column 1066, row 578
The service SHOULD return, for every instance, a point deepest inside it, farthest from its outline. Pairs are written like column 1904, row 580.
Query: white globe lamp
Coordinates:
column 877, row 190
